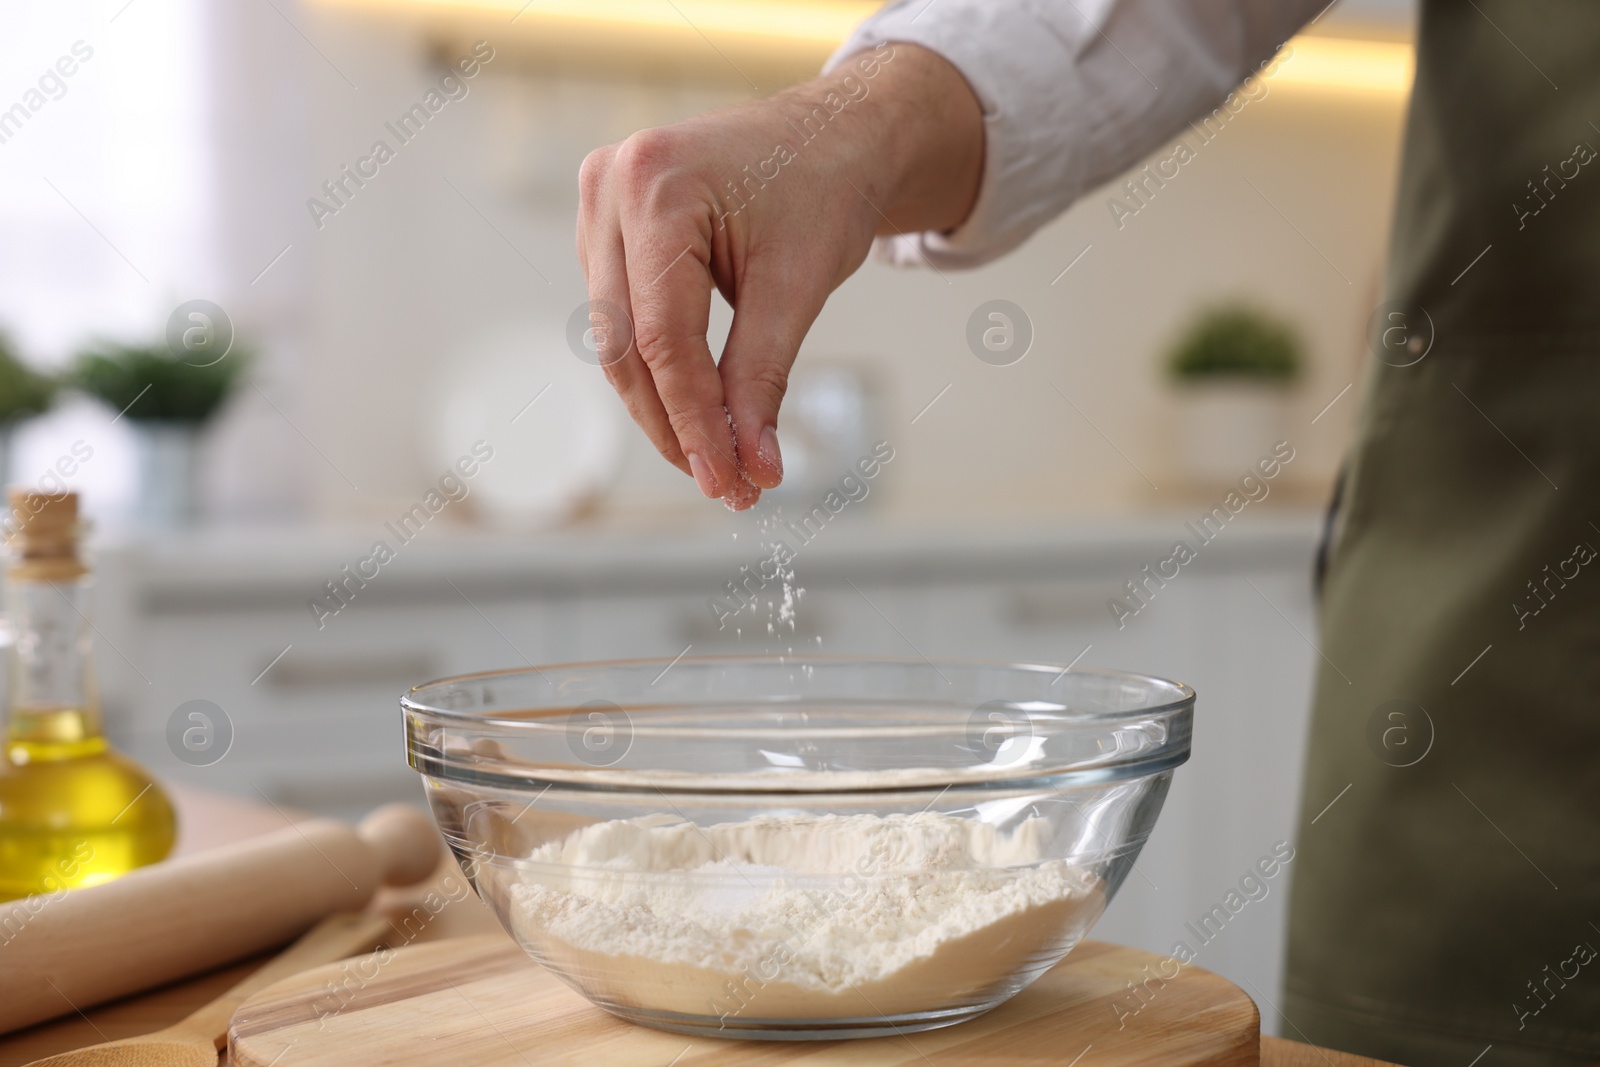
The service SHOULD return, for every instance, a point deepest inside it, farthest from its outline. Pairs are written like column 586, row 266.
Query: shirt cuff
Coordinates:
column 1025, row 80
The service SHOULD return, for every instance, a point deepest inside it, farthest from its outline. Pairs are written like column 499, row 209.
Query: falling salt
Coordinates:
column 781, row 612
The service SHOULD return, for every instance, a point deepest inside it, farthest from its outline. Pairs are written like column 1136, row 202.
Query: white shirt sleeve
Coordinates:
column 1073, row 93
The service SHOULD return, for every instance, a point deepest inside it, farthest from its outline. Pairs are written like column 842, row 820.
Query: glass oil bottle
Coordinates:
column 72, row 812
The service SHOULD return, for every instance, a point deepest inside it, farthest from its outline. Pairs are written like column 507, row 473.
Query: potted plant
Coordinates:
column 1233, row 369
column 24, row 393
column 168, row 401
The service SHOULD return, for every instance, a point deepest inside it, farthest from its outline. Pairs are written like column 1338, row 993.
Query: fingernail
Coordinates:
column 702, row 475
column 769, row 450
column 742, row 495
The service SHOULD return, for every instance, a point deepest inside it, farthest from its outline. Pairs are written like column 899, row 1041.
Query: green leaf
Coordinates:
column 1237, row 342
column 152, row 386
column 23, row 390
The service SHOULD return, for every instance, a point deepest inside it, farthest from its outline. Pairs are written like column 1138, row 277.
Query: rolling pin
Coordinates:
column 153, row 925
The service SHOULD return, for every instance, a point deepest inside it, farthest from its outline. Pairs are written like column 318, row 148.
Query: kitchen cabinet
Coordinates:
column 316, row 723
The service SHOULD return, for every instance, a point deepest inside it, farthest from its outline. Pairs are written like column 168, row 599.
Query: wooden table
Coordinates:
column 207, row 820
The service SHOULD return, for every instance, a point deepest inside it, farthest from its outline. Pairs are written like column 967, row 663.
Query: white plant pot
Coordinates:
column 168, row 474
column 1223, row 428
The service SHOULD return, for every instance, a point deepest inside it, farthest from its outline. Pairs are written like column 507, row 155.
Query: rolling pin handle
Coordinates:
column 404, row 841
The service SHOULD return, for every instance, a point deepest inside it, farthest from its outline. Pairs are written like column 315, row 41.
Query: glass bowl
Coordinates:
column 797, row 848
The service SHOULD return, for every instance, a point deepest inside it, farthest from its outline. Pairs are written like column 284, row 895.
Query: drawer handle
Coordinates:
column 397, row 669
column 1035, row 608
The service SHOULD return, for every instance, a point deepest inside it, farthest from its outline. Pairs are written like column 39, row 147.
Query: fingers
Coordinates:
column 647, row 269
column 600, row 250
column 671, row 293
column 669, row 284
column 768, row 325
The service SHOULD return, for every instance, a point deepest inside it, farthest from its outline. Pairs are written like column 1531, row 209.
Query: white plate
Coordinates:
column 556, row 427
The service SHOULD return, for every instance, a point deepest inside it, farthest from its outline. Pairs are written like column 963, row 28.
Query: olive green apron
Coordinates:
column 1446, row 892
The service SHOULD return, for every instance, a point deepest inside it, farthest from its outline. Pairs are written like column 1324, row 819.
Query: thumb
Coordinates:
column 768, row 326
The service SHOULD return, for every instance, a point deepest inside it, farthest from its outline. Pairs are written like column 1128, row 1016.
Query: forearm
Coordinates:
column 911, row 129
column 1073, row 93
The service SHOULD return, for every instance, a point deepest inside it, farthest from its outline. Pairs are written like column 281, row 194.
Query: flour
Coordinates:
column 800, row 916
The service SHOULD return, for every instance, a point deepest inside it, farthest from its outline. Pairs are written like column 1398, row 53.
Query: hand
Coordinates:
column 775, row 203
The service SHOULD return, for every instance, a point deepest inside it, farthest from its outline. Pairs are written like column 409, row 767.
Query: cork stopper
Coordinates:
column 42, row 530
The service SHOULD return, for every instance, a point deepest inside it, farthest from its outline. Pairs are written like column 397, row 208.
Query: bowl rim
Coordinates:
column 1186, row 698
column 426, row 756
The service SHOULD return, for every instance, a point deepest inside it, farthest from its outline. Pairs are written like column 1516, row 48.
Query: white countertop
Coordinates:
column 215, row 567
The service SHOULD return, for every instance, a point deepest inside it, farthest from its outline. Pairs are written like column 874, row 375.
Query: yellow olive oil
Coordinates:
column 72, row 812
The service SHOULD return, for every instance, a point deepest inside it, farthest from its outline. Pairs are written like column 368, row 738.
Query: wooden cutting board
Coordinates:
column 482, row 1001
